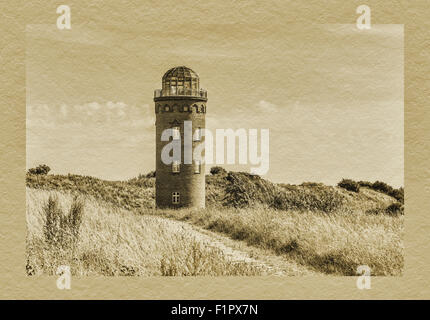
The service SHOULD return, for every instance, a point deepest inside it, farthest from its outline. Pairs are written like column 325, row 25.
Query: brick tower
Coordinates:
column 180, row 102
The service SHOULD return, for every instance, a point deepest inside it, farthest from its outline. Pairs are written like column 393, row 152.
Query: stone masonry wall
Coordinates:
column 190, row 185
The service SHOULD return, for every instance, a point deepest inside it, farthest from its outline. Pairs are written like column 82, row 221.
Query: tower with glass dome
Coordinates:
column 180, row 99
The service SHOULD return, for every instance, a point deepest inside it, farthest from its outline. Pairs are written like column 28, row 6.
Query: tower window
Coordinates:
column 176, row 167
column 198, row 134
column 176, row 133
column 175, row 197
column 197, row 166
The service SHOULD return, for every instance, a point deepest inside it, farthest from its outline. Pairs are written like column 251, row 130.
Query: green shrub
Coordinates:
column 42, row 169
column 349, row 185
column 398, row 194
column 365, row 184
column 240, row 190
column 383, row 187
column 150, row 174
column 217, row 170
column 395, row 209
column 245, row 190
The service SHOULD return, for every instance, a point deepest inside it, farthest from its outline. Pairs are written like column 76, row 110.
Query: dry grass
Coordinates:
column 334, row 243
column 133, row 194
column 328, row 229
column 112, row 241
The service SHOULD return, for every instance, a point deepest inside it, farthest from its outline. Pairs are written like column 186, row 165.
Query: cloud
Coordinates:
column 85, row 35
column 385, row 31
column 109, row 113
column 266, row 106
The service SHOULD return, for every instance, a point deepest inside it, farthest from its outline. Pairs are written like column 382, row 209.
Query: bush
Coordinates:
column 398, row 194
column 365, row 184
column 218, row 170
column 42, row 169
column 349, row 185
column 150, row 174
column 246, row 190
column 380, row 186
column 395, row 209
column 240, row 191
column 61, row 230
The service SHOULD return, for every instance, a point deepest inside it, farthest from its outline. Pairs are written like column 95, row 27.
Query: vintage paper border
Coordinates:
column 414, row 283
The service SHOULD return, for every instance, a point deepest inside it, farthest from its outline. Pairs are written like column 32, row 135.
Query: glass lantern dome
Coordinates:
column 180, row 81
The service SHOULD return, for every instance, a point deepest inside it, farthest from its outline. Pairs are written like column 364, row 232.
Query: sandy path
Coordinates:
column 239, row 251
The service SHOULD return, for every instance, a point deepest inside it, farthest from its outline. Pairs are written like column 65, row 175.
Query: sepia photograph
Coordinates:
column 218, row 149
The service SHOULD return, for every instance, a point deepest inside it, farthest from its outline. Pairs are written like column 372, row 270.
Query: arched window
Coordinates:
column 176, row 133
column 166, row 108
column 176, row 167
column 198, row 134
column 197, row 166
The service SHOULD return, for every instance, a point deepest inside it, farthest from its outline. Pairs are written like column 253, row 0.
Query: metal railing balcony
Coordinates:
column 174, row 92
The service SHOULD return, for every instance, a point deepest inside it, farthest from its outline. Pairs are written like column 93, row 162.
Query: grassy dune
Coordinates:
column 113, row 241
column 235, row 189
column 332, row 244
column 324, row 228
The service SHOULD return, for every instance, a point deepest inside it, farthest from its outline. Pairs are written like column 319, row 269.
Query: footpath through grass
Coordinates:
column 335, row 243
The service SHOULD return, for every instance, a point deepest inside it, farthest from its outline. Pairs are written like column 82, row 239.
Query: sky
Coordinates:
column 331, row 95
